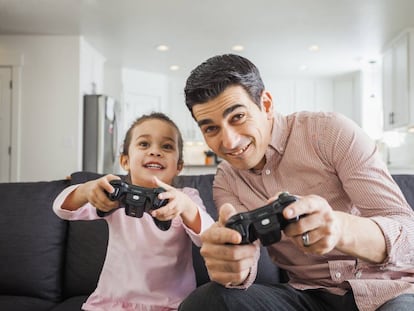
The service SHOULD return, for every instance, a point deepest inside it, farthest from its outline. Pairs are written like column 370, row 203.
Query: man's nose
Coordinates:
column 230, row 138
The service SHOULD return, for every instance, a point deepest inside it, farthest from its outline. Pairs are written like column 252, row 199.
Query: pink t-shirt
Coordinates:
column 328, row 155
column 145, row 268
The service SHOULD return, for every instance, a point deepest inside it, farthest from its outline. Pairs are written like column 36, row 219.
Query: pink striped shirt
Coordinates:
column 145, row 269
column 328, row 155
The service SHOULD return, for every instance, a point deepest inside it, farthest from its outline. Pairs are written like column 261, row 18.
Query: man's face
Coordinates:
column 235, row 128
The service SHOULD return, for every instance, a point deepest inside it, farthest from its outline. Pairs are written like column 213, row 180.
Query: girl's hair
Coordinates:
column 212, row 77
column 153, row 116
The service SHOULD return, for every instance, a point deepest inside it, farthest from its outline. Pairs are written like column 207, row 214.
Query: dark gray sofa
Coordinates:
column 51, row 264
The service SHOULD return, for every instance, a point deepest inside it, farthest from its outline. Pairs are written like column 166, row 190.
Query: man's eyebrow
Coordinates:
column 226, row 112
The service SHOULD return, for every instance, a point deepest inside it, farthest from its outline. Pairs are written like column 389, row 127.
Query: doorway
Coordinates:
column 5, row 123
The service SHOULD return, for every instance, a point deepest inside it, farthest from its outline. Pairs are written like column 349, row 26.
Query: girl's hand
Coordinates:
column 179, row 204
column 94, row 192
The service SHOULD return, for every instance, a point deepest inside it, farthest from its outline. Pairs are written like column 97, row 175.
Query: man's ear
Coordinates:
column 124, row 161
column 267, row 103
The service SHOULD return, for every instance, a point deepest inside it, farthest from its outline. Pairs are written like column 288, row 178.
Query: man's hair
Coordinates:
column 212, row 77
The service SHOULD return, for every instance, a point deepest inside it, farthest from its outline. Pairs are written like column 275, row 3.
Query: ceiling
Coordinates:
column 276, row 33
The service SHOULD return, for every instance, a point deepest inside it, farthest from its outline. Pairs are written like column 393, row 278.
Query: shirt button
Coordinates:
column 358, row 274
column 338, row 275
column 267, row 172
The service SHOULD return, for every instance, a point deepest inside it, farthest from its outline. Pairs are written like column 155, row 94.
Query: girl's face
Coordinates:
column 153, row 151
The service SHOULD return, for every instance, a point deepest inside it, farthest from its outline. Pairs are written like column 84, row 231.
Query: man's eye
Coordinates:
column 210, row 129
column 238, row 117
column 143, row 144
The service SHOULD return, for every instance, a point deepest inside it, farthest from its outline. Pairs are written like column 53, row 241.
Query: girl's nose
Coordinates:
column 154, row 151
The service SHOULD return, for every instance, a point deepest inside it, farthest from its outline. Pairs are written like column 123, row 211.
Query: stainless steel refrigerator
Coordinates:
column 100, row 134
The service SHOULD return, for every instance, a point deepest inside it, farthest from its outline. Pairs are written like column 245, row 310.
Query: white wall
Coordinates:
column 58, row 70
column 295, row 94
column 47, row 144
column 347, row 96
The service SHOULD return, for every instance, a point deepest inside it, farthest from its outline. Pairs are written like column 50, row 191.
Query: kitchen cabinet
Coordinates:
column 398, row 85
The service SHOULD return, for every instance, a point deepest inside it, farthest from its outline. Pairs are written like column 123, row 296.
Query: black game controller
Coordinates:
column 264, row 223
column 137, row 200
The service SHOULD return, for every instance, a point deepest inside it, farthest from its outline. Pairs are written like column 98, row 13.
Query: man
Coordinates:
column 356, row 230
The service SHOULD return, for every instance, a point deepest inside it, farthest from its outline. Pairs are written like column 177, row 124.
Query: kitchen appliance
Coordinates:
column 100, row 134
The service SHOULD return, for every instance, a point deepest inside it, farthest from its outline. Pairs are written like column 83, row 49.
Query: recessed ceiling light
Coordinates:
column 174, row 67
column 238, row 48
column 313, row 48
column 163, row 48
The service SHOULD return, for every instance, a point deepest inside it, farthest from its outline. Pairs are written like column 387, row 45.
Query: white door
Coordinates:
column 5, row 124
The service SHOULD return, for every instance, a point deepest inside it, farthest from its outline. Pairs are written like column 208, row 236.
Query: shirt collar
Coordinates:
column 280, row 133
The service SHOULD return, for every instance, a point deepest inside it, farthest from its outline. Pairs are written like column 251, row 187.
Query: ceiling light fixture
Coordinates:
column 163, row 48
column 174, row 67
column 238, row 48
column 314, row 48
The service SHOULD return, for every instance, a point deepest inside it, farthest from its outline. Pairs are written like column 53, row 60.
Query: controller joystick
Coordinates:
column 136, row 200
column 264, row 223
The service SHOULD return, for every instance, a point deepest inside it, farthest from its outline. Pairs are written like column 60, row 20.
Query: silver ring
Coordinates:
column 305, row 239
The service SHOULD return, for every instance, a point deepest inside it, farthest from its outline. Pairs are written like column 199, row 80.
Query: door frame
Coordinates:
column 15, row 61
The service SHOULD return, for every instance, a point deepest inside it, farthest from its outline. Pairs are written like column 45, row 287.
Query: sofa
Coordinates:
column 47, row 263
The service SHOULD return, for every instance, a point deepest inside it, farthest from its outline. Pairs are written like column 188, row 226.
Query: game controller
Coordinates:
column 264, row 223
column 136, row 200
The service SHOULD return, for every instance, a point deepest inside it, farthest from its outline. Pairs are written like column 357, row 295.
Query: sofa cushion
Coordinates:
column 86, row 249
column 406, row 183
column 85, row 254
column 20, row 303
column 32, row 240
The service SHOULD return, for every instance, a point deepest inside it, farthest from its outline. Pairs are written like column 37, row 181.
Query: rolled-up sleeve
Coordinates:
column 86, row 212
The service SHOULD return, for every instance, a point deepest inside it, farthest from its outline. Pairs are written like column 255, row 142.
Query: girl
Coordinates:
column 145, row 268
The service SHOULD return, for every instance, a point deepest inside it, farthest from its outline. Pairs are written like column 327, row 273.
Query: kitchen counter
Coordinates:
column 198, row 169
column 401, row 169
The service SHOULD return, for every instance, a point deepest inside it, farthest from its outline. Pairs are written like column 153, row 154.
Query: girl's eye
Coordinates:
column 168, row 146
column 143, row 144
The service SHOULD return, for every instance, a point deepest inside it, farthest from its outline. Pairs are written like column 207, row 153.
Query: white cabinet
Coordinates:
column 397, row 88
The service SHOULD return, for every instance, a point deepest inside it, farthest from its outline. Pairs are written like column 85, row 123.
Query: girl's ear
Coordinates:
column 124, row 161
column 180, row 166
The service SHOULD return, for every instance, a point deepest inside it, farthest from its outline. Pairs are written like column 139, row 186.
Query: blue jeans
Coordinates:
column 278, row 297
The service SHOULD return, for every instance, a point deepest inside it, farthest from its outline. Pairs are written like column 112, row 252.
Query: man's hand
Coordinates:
column 324, row 229
column 227, row 263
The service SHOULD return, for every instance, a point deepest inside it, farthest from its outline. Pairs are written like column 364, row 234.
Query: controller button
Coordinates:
column 135, row 197
column 265, row 222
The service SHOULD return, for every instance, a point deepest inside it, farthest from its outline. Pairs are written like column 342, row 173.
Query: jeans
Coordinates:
column 278, row 297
